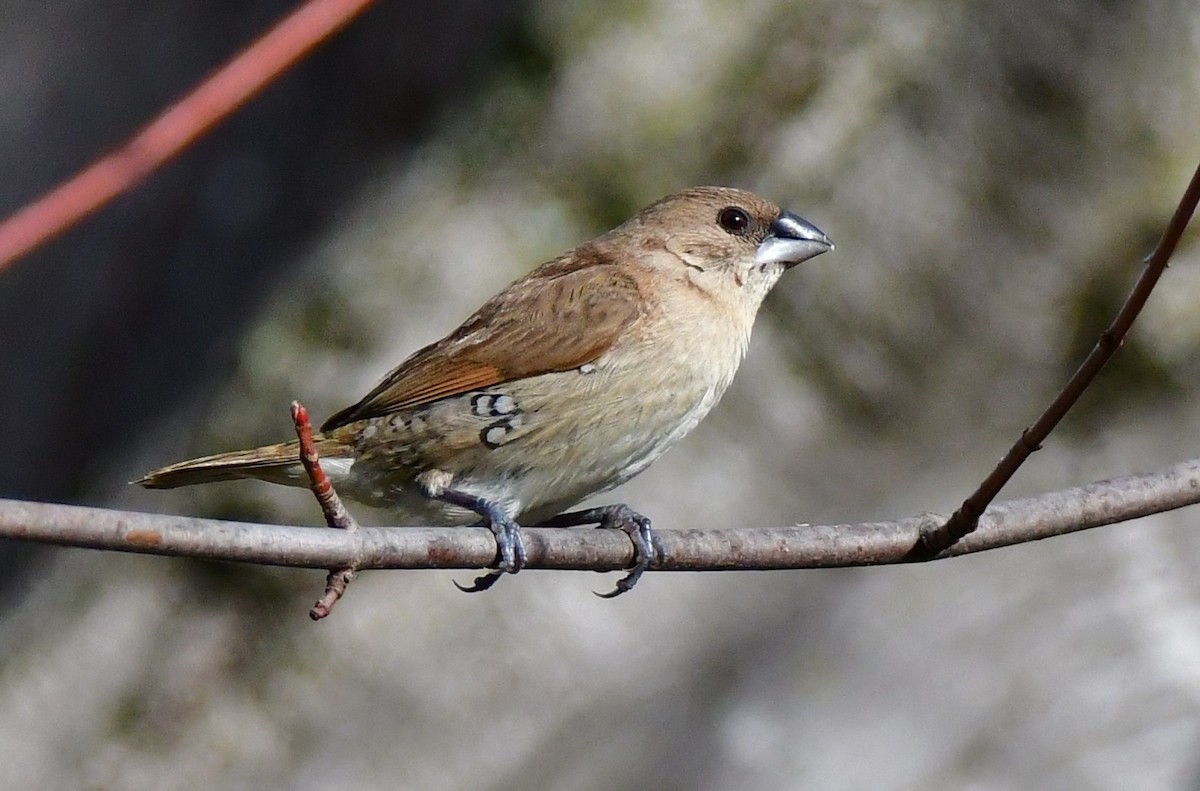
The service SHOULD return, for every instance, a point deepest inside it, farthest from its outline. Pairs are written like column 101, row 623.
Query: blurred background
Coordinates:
column 992, row 174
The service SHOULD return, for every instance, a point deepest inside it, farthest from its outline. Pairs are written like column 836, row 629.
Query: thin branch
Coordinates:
column 803, row 546
column 216, row 97
column 336, row 515
column 964, row 520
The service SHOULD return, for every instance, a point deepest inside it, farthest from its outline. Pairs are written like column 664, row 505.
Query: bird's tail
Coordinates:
column 274, row 463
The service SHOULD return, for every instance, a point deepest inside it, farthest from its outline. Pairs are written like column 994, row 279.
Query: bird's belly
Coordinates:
column 593, row 444
column 534, row 447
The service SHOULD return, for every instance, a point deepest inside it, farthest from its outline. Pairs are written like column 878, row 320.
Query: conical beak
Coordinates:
column 792, row 240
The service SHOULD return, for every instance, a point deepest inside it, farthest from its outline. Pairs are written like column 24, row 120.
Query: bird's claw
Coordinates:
column 510, row 548
column 510, row 554
column 645, row 550
column 480, row 583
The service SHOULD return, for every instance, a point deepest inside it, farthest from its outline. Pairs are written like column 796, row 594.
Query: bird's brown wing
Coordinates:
column 564, row 315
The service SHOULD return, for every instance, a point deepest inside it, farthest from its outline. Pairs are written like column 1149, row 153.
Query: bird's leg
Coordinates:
column 619, row 517
column 510, row 548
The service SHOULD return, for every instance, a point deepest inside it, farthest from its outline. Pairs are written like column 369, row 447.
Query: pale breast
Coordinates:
column 536, row 446
column 589, row 430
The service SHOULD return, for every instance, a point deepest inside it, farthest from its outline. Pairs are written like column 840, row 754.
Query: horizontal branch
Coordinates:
column 802, row 546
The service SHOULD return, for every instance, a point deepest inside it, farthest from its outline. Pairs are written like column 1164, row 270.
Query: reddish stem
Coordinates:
column 336, row 515
column 212, row 100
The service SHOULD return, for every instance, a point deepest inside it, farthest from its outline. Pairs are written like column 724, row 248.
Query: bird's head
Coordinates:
column 728, row 242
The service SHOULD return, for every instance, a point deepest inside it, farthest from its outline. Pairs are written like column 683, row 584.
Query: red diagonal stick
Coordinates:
column 211, row 101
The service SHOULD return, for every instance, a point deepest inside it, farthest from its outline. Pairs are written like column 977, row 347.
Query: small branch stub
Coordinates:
column 336, row 515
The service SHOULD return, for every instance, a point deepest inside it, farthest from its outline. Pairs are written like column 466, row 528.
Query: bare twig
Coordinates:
column 336, row 515
column 965, row 519
column 804, row 546
column 216, row 97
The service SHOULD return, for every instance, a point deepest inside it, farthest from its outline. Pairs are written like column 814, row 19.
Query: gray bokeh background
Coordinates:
column 992, row 174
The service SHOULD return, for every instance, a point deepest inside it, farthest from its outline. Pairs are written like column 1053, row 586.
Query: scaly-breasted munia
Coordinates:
column 567, row 383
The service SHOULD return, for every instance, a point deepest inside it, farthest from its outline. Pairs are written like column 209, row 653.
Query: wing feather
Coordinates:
column 563, row 315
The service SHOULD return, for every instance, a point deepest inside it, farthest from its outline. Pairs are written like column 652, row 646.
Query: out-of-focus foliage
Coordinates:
column 992, row 174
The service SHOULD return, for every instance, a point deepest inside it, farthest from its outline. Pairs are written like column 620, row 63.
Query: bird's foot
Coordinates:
column 618, row 517
column 510, row 551
column 510, row 548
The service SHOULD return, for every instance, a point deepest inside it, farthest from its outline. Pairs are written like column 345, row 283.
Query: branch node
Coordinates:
column 935, row 535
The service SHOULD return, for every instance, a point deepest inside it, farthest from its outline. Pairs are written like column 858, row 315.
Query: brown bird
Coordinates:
column 569, row 382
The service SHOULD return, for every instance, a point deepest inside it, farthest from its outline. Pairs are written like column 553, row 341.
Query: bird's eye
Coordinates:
column 735, row 220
